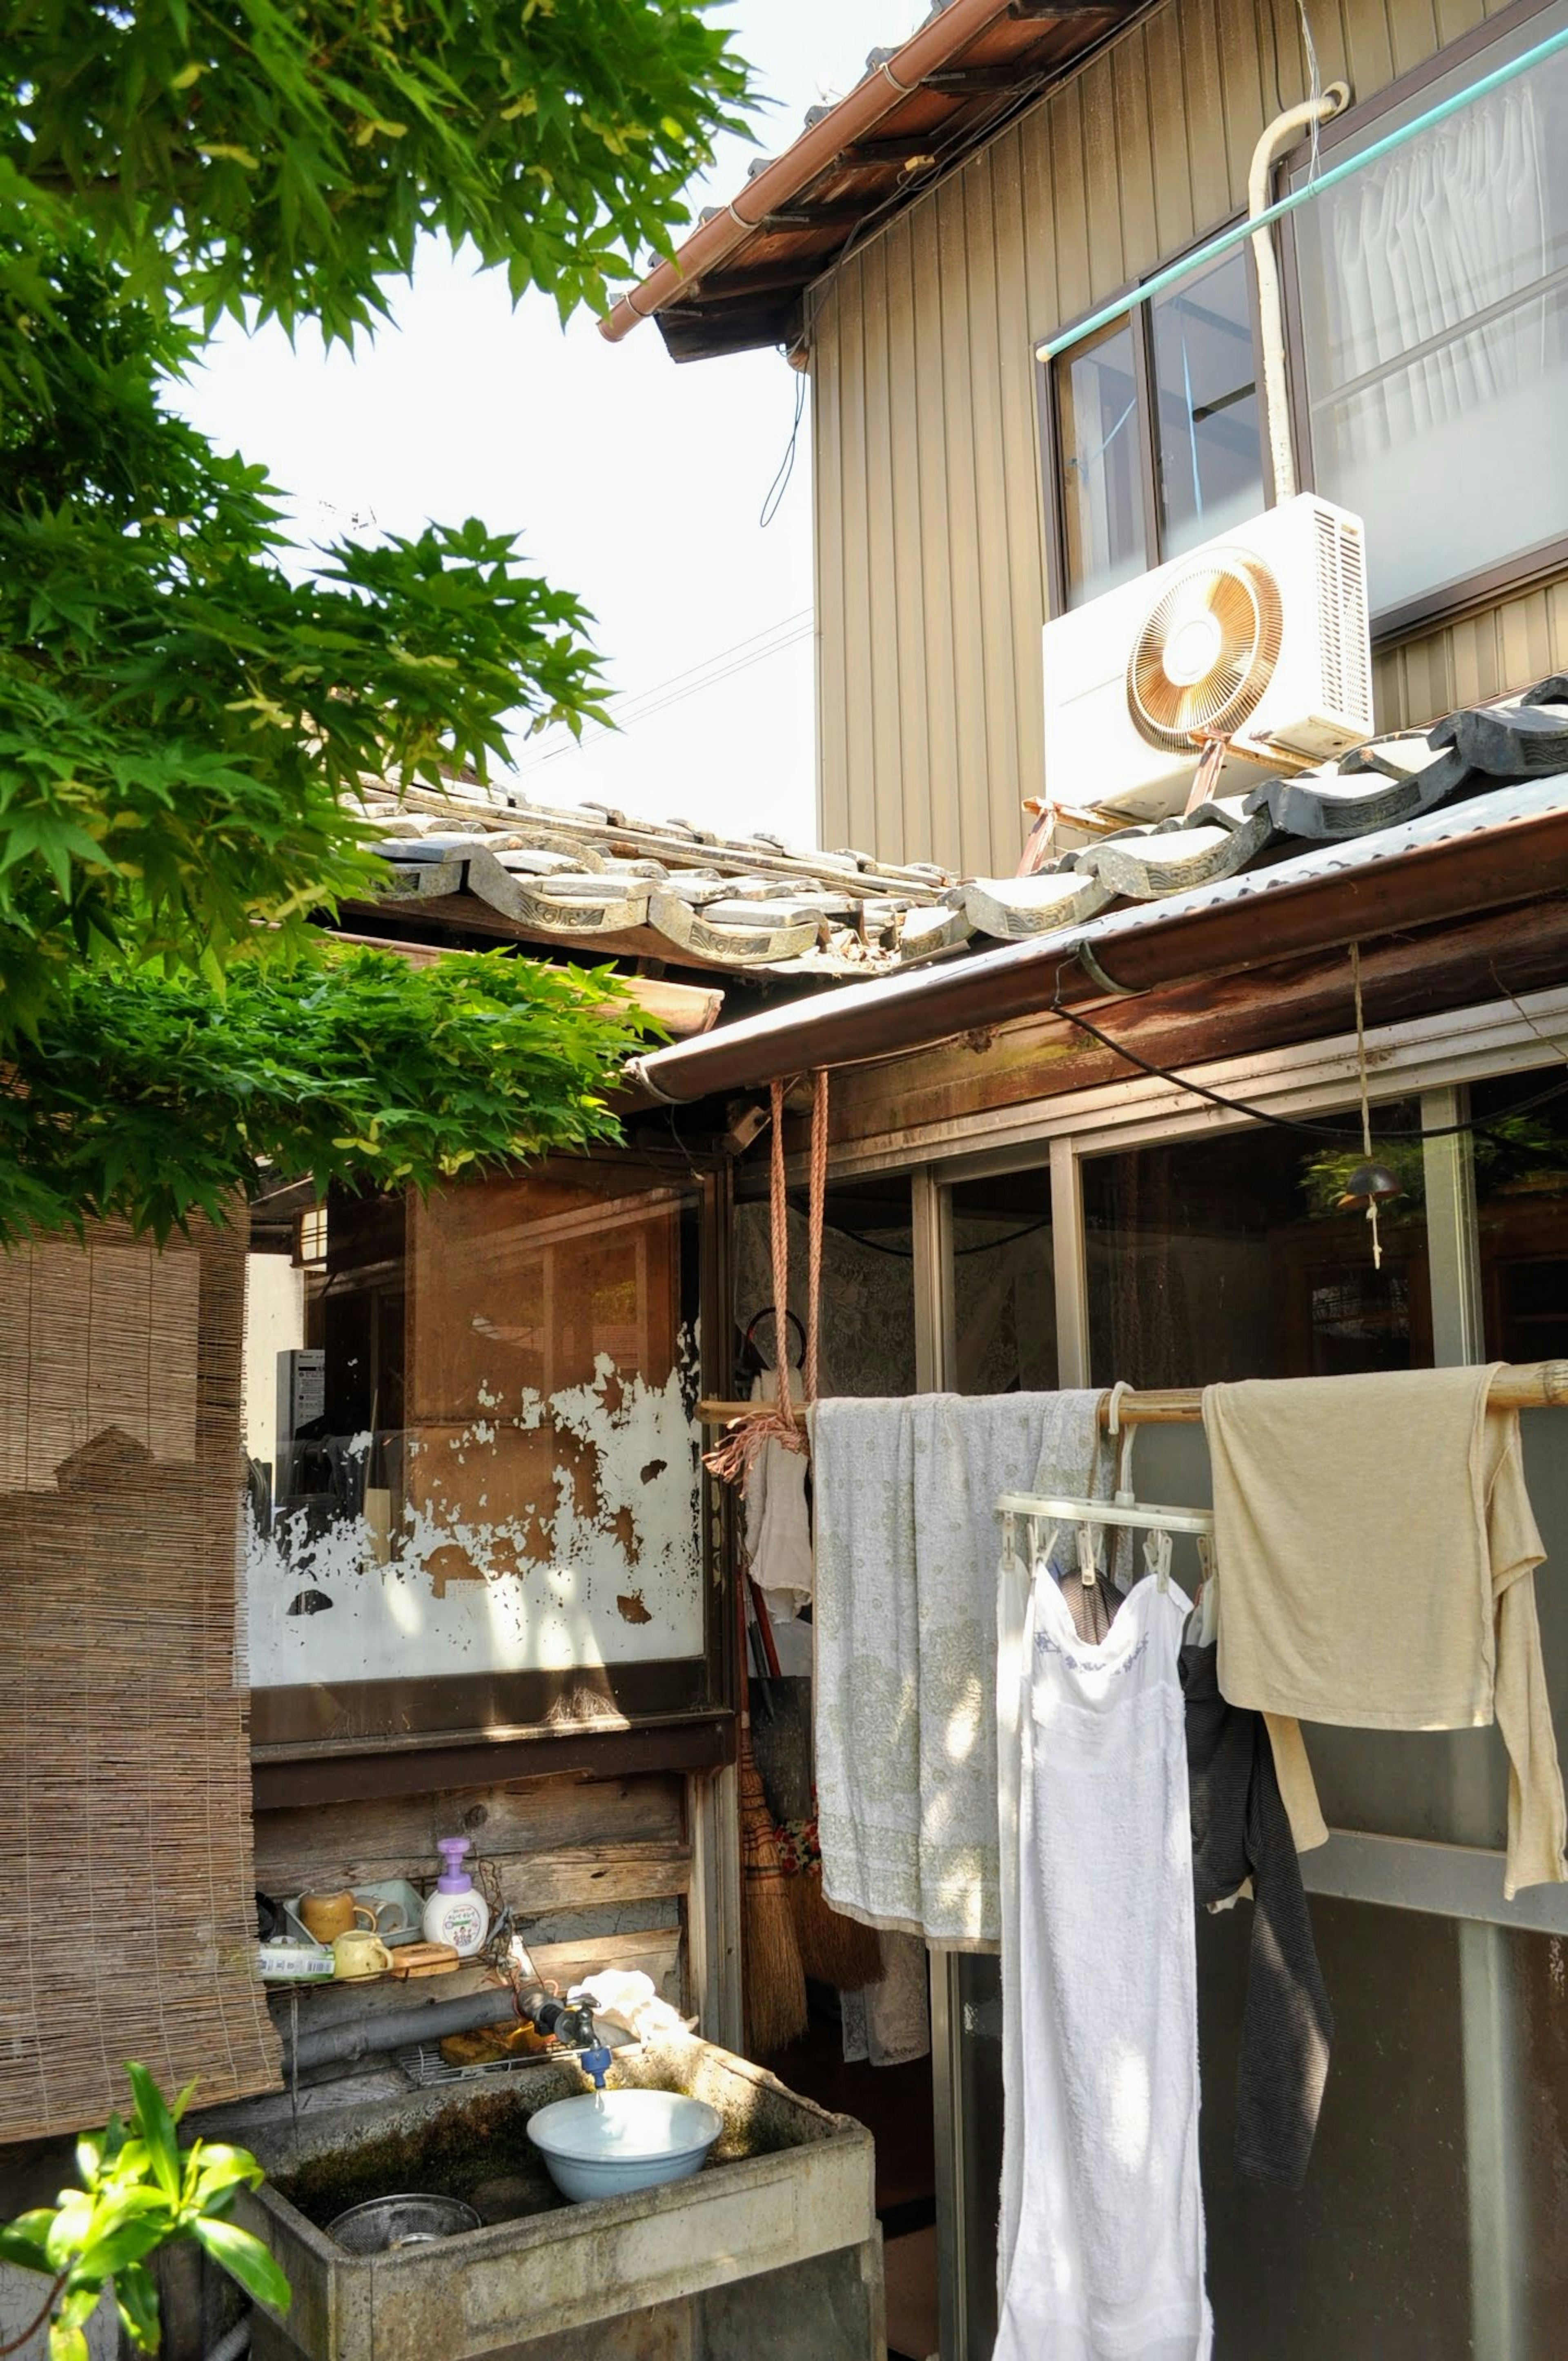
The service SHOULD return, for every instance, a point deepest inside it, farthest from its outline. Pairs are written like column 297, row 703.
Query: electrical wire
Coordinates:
column 780, row 484
column 1266, row 1114
column 641, row 705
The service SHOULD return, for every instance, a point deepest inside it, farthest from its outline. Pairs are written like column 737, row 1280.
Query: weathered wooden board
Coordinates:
column 1185, row 1025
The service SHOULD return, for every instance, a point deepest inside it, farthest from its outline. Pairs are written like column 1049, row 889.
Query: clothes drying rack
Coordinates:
column 1519, row 1384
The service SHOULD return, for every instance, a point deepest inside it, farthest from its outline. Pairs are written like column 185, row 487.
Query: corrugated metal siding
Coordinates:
column 930, row 564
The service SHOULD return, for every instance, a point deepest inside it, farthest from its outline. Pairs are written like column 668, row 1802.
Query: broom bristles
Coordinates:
column 775, row 1980
column 833, row 1949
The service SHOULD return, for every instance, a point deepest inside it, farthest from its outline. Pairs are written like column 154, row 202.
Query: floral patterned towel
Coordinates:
column 908, row 1548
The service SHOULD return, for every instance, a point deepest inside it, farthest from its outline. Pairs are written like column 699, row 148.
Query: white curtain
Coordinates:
column 1445, row 228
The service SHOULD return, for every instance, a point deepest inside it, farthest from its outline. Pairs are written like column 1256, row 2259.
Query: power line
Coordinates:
column 641, row 705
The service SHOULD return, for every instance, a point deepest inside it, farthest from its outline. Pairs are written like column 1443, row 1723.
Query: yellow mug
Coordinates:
column 327, row 1916
column 357, row 1955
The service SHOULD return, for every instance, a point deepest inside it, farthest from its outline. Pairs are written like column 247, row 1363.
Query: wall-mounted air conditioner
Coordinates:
column 1260, row 636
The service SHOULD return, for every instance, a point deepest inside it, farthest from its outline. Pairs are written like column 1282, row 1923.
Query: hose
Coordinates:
column 400, row 2028
column 233, row 2341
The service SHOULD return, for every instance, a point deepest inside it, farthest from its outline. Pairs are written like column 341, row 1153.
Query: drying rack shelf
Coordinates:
column 427, row 2069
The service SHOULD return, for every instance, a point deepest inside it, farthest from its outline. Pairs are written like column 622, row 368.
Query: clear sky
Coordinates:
column 635, row 483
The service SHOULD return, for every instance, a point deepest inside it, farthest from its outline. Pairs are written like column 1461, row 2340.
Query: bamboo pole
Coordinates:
column 1522, row 1385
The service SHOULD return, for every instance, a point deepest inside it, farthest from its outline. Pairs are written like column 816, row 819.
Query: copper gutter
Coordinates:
column 875, row 95
column 1142, row 947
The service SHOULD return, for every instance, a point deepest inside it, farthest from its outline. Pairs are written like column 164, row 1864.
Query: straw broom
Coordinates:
column 775, row 1982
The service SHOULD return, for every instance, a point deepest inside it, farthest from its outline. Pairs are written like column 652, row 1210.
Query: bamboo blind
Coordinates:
column 128, row 1926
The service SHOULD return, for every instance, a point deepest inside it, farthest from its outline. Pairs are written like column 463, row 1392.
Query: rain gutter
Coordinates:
column 875, row 95
column 1428, row 871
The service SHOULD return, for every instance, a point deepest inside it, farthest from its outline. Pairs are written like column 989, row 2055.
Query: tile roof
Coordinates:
column 1268, row 835
column 589, row 877
column 596, row 879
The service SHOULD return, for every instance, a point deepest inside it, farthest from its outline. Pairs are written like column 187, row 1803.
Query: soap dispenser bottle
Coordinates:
column 455, row 1913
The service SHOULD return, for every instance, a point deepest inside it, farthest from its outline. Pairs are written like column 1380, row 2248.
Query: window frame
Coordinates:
column 400, row 1733
column 1048, row 409
column 1486, row 586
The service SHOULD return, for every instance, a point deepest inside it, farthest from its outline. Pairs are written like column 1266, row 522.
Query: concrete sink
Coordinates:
column 772, row 2248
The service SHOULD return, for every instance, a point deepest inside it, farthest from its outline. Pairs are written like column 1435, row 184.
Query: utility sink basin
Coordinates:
column 608, row 2142
column 770, row 2244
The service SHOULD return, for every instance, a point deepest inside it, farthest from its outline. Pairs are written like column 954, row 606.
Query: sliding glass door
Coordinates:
column 1431, row 2224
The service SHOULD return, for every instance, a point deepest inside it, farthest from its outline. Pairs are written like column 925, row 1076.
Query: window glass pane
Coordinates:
column 1103, row 511
column 1434, row 297
column 469, row 1431
column 1208, row 439
column 1521, row 1199
column 1228, row 1258
column 1224, row 1258
column 1004, row 1318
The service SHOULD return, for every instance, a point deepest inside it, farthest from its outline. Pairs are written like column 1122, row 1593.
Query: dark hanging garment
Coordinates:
column 1240, row 1830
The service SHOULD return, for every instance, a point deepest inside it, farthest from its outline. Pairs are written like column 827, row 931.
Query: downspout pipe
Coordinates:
column 1280, row 135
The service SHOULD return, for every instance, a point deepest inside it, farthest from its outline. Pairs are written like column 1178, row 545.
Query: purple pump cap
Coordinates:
column 454, row 1877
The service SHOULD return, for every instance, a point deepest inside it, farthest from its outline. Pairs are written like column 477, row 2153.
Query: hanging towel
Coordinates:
column 1101, row 2247
column 1376, row 1550
column 778, row 1527
column 904, row 1617
column 1241, row 1833
column 889, row 2024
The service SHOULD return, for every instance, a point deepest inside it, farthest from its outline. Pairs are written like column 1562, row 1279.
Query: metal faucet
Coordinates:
column 572, row 2024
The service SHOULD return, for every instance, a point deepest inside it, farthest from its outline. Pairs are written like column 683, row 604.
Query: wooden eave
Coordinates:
column 754, row 296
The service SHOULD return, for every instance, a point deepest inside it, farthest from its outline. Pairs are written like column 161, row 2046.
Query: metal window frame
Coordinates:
column 1525, row 569
column 1048, row 413
column 1435, row 1060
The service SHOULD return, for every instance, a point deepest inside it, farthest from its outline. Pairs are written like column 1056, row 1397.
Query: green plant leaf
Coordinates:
column 245, row 2259
column 155, row 2125
column 22, row 2242
column 135, row 2296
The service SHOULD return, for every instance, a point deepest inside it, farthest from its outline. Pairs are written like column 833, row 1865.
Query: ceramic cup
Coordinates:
column 327, row 1916
column 357, row 1955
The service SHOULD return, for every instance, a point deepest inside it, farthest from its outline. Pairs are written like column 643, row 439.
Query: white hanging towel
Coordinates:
column 905, row 1633
column 1101, row 2248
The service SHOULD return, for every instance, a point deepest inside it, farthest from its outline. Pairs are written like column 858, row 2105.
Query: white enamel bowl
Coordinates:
column 635, row 2139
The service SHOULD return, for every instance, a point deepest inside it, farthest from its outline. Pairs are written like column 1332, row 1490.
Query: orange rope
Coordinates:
column 779, row 1420
column 813, row 1232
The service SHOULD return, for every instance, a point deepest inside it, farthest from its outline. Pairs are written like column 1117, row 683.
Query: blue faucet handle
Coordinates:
column 595, row 2062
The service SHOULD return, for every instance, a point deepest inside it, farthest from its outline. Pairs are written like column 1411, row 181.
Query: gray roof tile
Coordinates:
column 565, row 873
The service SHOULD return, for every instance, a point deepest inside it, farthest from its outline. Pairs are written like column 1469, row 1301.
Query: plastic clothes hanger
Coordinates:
column 1124, row 1511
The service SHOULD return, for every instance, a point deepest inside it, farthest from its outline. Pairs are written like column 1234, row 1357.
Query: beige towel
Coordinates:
column 1375, row 1551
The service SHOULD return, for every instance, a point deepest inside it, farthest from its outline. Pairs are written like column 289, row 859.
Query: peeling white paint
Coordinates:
column 537, row 1589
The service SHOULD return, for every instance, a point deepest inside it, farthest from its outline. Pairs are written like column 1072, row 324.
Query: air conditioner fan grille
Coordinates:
column 1206, row 651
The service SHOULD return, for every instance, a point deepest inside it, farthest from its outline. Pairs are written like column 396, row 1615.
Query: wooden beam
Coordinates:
column 841, row 215
column 1190, row 1024
column 957, row 82
column 1521, row 1385
column 772, row 279
column 683, row 1010
column 915, row 149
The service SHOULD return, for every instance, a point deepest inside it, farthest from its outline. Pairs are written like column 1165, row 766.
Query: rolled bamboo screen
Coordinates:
column 127, row 1925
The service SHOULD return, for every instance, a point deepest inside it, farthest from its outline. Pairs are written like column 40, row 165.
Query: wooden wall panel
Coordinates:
column 930, row 569
column 576, row 1858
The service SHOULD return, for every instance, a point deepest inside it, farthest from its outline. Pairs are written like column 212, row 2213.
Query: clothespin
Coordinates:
column 1009, row 1540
